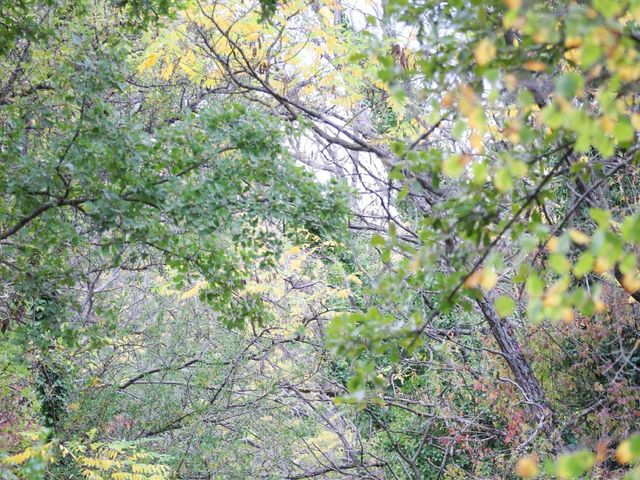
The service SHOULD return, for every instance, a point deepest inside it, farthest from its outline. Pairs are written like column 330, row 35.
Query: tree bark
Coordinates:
column 520, row 367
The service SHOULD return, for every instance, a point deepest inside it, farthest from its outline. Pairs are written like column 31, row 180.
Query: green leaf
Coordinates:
column 609, row 8
column 559, row 263
column 480, row 172
column 453, row 166
column 573, row 465
column 505, row 305
column 601, row 217
column 569, row 84
column 357, row 57
column 631, row 229
column 402, row 194
column 535, row 285
column 623, row 131
column 584, row 264
column 503, row 180
column 378, row 241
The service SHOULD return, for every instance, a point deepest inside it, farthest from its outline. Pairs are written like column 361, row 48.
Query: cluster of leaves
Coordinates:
column 91, row 460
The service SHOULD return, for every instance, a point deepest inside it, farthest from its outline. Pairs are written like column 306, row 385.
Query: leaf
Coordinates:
column 601, row 217
column 629, row 450
column 609, row 8
column 572, row 465
column 579, row 237
column 584, row 265
column 631, row 283
column 534, row 66
column 453, row 166
column 505, row 305
column 527, row 466
column 559, row 263
column 569, row 84
column 489, row 279
column 148, row 62
column 484, row 52
column 513, row 4
column 377, row 241
column 503, row 180
column 192, row 292
column 473, row 280
column 480, row 172
column 344, row 293
column 535, row 285
column 476, row 142
column 623, row 131
column 403, row 193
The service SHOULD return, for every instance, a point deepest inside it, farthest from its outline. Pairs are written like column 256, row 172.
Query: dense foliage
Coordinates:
column 319, row 239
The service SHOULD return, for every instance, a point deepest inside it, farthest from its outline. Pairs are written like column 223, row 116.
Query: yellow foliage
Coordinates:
column 631, row 283
column 623, row 452
column 527, row 467
column 579, row 237
column 192, row 292
column 484, row 52
column 167, row 71
column 473, row 280
column 534, row 66
column 19, row 458
column 489, row 279
column 344, row 293
column 513, row 4
column 149, row 62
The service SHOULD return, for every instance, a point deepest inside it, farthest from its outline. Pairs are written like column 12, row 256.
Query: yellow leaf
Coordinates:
column 327, row 15
column 167, row 71
column 473, row 280
column 344, row 293
column 630, row 283
column 192, row 292
column 602, row 265
column 607, row 124
column 513, row 4
column 623, row 452
column 567, row 315
column 534, row 66
column 600, row 306
column 149, row 62
column 573, row 42
column 210, row 82
column 476, row 142
column 579, row 237
column 527, row 467
column 484, row 52
column 19, row 458
column 489, row 279
column 447, row 100
column 552, row 300
column 511, row 82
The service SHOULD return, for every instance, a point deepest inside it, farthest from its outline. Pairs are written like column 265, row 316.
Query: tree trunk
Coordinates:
column 520, row 368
